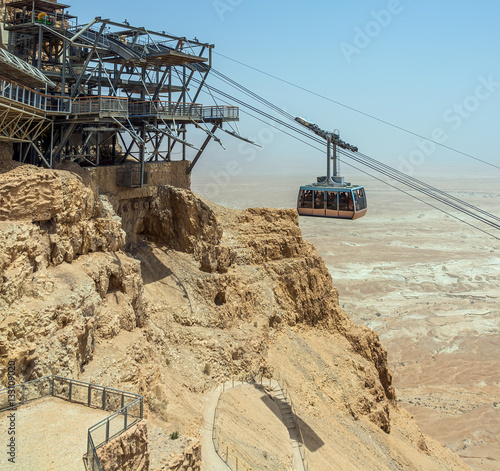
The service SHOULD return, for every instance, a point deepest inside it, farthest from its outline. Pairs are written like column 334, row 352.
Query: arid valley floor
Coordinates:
column 427, row 284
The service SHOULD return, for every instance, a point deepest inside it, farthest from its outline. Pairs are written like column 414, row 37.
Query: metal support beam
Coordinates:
column 64, row 141
column 89, row 25
column 202, row 148
column 141, row 152
column 40, row 154
column 76, row 88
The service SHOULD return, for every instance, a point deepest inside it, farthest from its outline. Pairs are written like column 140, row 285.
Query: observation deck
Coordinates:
column 86, row 87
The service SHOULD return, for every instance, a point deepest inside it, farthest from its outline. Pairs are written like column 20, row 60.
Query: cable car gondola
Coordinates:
column 331, row 196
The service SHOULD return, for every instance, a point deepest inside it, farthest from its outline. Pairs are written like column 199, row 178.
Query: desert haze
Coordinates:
column 427, row 283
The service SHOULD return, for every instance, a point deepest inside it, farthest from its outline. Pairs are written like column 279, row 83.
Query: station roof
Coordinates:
column 16, row 70
column 163, row 58
column 39, row 5
column 172, row 58
column 137, row 87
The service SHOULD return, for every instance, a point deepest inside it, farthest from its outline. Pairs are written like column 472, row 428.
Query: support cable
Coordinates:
column 400, row 128
column 441, row 196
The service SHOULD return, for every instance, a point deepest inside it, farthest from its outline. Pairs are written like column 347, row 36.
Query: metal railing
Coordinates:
column 227, row 453
column 127, row 407
column 15, row 17
column 286, row 392
column 226, row 113
column 29, row 97
column 102, row 105
column 109, row 428
column 114, row 106
column 34, row 99
column 166, row 109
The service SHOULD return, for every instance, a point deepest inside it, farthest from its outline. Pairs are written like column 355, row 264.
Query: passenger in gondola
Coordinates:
column 308, row 199
column 356, row 199
column 342, row 201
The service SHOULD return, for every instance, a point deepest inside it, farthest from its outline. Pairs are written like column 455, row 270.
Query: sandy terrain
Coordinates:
column 428, row 285
column 249, row 408
column 46, row 444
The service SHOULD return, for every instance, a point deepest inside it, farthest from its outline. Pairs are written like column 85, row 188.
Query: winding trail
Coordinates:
column 210, row 460
column 290, row 423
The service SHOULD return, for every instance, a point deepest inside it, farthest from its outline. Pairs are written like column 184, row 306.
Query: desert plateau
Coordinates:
column 428, row 285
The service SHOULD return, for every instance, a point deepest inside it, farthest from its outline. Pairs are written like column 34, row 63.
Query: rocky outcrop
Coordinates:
column 30, row 195
column 188, row 460
column 70, row 216
column 127, row 452
column 255, row 264
column 181, row 221
column 203, row 294
column 63, row 278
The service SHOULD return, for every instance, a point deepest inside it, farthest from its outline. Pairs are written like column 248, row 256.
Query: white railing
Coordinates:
column 102, row 105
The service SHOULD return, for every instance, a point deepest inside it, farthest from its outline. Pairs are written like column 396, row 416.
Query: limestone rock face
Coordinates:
column 188, row 460
column 63, row 278
column 204, row 294
column 182, row 221
column 128, row 452
column 70, row 216
column 254, row 264
column 30, row 195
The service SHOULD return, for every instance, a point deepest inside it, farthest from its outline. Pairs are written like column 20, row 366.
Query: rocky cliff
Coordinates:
column 205, row 294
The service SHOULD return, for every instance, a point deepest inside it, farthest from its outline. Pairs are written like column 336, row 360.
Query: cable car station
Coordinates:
column 103, row 93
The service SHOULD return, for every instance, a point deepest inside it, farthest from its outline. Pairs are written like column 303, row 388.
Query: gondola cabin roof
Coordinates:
column 323, row 187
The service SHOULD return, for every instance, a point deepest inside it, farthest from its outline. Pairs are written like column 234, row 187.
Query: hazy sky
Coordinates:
column 430, row 66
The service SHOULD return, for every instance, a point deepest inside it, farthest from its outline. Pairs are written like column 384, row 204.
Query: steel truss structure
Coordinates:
column 103, row 93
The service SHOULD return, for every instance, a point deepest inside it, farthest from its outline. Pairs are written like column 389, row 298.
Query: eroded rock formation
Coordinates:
column 128, row 452
column 61, row 268
column 203, row 294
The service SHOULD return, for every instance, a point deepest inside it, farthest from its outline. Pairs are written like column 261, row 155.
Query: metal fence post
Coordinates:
column 89, row 398
column 125, row 415
column 52, row 385
column 104, row 399
column 70, row 390
column 107, row 431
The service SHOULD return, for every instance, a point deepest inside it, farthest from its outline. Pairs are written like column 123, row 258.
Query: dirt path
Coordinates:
column 51, row 435
column 210, row 460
